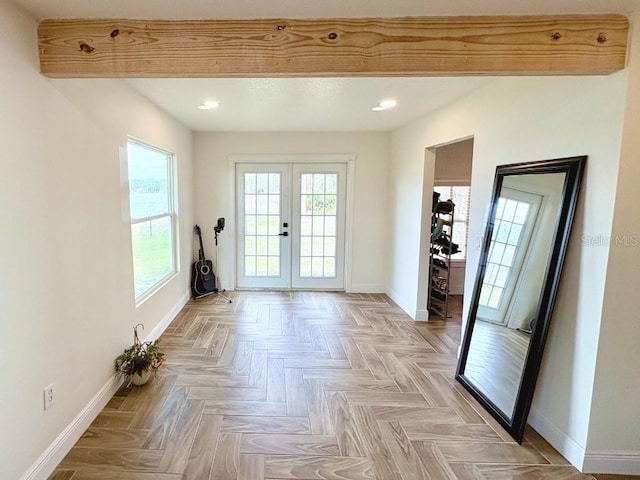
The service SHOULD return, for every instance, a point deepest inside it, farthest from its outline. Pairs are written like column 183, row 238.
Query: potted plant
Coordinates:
column 138, row 361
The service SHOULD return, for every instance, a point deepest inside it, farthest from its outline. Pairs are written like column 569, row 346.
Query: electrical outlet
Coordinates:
column 48, row 396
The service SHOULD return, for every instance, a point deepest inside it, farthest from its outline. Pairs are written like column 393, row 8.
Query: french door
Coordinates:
column 291, row 224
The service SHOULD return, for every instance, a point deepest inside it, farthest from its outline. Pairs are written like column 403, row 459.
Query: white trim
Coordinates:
column 171, row 213
column 53, row 455
column 367, row 288
column 565, row 445
column 348, row 230
column 401, row 302
column 347, row 158
column 293, row 158
column 615, row 462
column 337, row 282
column 136, row 221
column 168, row 318
column 422, row 315
column 232, row 229
column 155, row 288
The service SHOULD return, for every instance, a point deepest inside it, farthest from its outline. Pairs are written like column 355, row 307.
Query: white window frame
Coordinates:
column 172, row 214
column 452, row 184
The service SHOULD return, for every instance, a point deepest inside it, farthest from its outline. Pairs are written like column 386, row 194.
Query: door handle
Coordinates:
column 284, row 234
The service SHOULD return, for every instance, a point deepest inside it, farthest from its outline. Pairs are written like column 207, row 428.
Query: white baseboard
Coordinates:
column 53, row 455
column 616, row 462
column 417, row 315
column 565, row 445
column 367, row 288
column 398, row 300
column 168, row 318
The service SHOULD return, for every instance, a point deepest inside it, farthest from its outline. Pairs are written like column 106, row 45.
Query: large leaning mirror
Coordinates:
column 523, row 251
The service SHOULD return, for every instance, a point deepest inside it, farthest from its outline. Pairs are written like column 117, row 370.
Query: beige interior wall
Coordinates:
column 615, row 422
column 515, row 120
column 215, row 180
column 66, row 288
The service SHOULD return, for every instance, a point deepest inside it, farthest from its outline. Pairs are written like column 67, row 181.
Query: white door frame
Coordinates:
column 348, row 158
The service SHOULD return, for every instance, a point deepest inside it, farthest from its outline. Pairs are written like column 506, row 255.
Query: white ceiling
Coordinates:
column 301, row 104
column 306, row 104
column 242, row 9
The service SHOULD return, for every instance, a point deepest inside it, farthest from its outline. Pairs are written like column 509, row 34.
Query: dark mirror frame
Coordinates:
column 573, row 167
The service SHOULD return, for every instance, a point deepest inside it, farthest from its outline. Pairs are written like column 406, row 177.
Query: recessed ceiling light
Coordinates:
column 209, row 105
column 385, row 105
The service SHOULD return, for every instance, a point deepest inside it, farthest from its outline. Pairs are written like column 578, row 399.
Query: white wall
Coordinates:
column 215, row 190
column 614, row 429
column 515, row 120
column 66, row 289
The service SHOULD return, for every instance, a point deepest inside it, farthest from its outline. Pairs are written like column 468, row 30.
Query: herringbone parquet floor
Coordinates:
column 298, row 385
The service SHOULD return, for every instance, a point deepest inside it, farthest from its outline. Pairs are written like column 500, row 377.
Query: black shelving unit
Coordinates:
column 441, row 249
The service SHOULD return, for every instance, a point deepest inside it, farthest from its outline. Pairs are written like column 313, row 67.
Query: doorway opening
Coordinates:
column 443, row 252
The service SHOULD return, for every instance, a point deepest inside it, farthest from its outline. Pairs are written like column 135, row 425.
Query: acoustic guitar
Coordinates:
column 203, row 280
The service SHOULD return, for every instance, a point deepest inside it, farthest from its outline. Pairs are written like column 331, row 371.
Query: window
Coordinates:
column 461, row 197
column 153, row 216
column 511, row 218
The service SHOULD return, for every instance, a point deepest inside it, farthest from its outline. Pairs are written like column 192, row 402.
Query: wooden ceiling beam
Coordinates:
column 412, row 46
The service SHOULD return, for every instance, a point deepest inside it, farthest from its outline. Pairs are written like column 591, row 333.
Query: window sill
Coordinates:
column 155, row 288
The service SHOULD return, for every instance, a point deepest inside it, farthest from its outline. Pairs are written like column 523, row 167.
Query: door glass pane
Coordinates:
column 511, row 215
column 274, row 183
column 318, row 207
column 262, row 224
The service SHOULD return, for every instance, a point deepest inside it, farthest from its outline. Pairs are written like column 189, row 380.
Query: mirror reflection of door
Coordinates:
column 291, row 222
column 524, row 223
column 516, row 216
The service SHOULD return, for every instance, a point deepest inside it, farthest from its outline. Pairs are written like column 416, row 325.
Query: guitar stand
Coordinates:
column 216, row 290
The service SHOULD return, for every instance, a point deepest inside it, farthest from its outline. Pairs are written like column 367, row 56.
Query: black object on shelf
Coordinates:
column 441, row 249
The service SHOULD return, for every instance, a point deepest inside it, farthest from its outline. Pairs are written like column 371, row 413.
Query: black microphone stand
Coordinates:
column 217, row 229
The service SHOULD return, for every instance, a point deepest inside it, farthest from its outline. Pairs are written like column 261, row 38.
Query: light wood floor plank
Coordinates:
column 276, row 387
column 103, row 473
column 283, row 444
column 306, row 386
column 346, row 431
column 532, row 472
column 258, row 369
column 176, row 453
column 250, row 424
column 451, row 432
column 113, row 459
column 317, row 407
column 403, row 453
column 296, row 402
column 318, row 468
column 480, row 452
column 204, row 448
column 417, row 415
column 374, row 445
column 251, row 467
column 122, row 438
column 227, row 457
